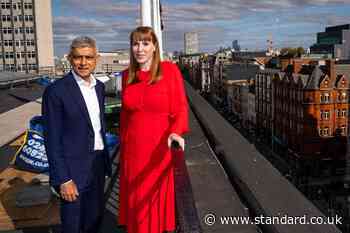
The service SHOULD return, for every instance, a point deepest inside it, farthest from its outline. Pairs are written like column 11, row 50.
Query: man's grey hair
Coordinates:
column 83, row 42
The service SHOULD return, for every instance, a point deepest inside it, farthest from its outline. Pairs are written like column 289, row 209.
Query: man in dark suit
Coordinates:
column 73, row 110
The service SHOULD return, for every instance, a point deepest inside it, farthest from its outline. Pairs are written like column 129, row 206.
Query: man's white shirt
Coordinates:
column 90, row 97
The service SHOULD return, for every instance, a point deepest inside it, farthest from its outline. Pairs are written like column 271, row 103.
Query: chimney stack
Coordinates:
column 330, row 64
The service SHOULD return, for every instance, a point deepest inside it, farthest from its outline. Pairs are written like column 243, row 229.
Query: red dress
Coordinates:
column 150, row 113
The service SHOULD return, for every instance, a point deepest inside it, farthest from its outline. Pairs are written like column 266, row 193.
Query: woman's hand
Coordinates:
column 174, row 137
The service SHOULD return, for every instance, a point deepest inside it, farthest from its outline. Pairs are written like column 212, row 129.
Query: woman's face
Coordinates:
column 143, row 52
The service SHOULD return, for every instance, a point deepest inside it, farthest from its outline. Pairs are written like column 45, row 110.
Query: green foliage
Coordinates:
column 292, row 52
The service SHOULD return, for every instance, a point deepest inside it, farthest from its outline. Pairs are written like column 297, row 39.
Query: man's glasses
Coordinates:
column 88, row 58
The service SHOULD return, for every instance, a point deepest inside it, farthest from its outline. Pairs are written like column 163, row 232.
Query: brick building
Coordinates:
column 310, row 107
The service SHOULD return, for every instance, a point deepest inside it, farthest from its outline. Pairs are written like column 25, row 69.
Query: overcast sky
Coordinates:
column 218, row 22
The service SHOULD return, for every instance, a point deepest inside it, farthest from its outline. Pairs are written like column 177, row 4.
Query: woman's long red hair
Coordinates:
column 145, row 34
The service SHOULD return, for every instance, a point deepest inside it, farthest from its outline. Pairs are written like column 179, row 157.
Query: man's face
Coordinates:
column 83, row 60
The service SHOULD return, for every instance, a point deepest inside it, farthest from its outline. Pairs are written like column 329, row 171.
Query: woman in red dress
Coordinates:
column 154, row 114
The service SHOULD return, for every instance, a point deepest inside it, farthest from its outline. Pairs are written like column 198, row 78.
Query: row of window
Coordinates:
column 327, row 131
column 17, row 43
column 8, row 30
column 9, row 55
column 9, row 18
column 325, row 114
column 325, row 97
column 15, row 6
column 22, row 67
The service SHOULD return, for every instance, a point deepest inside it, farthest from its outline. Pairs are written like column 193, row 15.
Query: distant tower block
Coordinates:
column 191, row 43
column 236, row 46
column 26, row 36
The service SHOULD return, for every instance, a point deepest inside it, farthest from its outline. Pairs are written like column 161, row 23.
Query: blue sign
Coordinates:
column 32, row 155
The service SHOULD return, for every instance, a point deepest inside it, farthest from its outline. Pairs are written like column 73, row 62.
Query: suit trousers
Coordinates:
column 85, row 214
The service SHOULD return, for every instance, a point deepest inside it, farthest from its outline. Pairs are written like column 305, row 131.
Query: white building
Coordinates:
column 112, row 62
column 191, row 43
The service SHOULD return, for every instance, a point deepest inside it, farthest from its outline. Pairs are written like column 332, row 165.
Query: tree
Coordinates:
column 292, row 52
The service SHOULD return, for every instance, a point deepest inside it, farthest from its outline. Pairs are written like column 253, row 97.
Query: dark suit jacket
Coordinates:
column 69, row 135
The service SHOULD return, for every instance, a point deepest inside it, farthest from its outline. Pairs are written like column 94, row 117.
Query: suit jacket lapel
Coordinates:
column 78, row 98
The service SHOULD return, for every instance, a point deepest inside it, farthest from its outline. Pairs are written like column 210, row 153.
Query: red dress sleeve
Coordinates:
column 178, row 103
column 123, row 123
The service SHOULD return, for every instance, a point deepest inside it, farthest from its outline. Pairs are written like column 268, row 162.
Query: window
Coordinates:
column 325, row 114
column 343, row 130
column 324, row 131
column 31, row 54
column 8, row 43
column 325, row 98
column 19, row 43
column 32, row 66
column 6, row 18
column 9, row 67
column 7, row 30
column 28, row 5
column 337, row 113
column 28, row 18
column 342, row 96
column 29, row 30
column 30, row 42
column 343, row 113
column 5, row 5
column 9, row 55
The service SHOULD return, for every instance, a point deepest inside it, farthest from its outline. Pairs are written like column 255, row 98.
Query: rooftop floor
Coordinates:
column 203, row 168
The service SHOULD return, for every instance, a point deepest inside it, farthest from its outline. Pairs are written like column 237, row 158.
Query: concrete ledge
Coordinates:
column 212, row 190
column 264, row 189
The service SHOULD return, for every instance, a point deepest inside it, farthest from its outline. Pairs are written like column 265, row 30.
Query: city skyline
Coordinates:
column 218, row 22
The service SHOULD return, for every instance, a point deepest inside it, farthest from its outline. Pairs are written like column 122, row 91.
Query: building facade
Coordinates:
column 335, row 41
column 109, row 62
column 264, row 103
column 251, row 109
column 310, row 109
column 26, row 36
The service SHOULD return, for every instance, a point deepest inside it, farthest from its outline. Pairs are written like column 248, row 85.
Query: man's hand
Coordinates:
column 174, row 137
column 69, row 191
